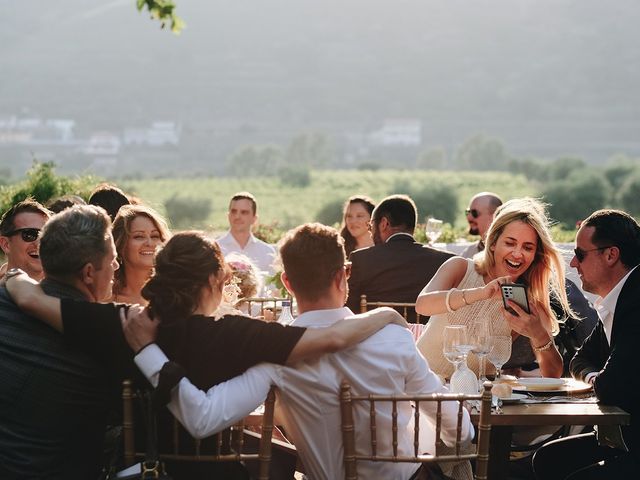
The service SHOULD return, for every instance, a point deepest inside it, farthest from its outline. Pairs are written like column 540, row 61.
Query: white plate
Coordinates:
column 533, row 384
column 513, row 398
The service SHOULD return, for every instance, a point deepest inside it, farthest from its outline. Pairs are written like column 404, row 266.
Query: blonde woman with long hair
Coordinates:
column 518, row 249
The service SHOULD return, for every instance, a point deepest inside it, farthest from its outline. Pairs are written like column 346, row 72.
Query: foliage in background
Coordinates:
column 187, row 212
column 164, row 11
column 575, row 197
column 42, row 184
column 295, row 176
column 269, row 233
column 331, row 212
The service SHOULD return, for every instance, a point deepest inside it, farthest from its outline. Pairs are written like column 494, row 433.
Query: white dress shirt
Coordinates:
column 260, row 252
column 386, row 363
column 606, row 308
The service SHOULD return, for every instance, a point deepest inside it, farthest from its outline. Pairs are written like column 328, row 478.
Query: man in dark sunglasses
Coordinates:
column 479, row 216
column 19, row 236
column 607, row 256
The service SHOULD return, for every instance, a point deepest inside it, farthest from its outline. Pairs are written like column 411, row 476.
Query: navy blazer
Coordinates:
column 618, row 380
column 395, row 271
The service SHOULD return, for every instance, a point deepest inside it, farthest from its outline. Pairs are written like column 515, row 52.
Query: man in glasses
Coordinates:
column 607, row 255
column 20, row 236
column 479, row 216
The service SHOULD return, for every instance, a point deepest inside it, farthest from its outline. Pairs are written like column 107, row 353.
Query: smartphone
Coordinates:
column 517, row 293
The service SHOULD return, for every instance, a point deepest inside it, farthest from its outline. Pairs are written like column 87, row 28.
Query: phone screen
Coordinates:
column 516, row 293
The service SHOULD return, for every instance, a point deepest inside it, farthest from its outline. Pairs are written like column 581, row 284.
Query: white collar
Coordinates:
column 398, row 233
column 321, row 318
column 607, row 305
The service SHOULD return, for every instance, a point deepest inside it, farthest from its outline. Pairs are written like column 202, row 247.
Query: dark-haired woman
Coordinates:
column 356, row 215
column 184, row 290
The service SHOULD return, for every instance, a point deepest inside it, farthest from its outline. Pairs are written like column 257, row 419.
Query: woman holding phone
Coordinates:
column 519, row 249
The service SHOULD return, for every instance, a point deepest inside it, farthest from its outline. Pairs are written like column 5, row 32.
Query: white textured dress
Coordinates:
column 430, row 343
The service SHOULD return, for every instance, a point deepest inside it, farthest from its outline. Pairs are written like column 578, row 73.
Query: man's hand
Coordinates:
column 387, row 314
column 139, row 329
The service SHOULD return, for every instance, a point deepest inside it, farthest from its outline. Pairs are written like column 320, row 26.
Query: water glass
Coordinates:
column 500, row 352
column 433, row 229
column 480, row 339
column 456, row 347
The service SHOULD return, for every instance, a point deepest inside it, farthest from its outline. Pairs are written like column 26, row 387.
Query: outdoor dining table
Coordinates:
column 539, row 414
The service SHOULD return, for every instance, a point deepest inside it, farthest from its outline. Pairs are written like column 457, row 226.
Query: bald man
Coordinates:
column 479, row 216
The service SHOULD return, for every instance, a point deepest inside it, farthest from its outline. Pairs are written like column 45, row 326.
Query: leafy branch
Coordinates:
column 164, row 11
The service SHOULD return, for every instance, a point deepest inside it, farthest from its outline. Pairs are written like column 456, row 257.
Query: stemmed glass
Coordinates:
column 481, row 341
column 500, row 352
column 455, row 347
column 433, row 229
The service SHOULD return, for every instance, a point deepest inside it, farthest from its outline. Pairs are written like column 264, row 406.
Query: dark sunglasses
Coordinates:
column 580, row 254
column 473, row 212
column 28, row 234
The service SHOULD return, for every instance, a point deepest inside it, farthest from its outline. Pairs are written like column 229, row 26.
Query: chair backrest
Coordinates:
column 227, row 446
column 406, row 309
column 262, row 306
column 351, row 456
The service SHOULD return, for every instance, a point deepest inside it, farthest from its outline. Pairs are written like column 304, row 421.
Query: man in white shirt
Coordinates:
column 316, row 273
column 607, row 256
column 242, row 217
column 479, row 217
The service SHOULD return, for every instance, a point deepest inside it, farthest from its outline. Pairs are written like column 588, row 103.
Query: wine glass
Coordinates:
column 481, row 341
column 433, row 229
column 500, row 352
column 456, row 348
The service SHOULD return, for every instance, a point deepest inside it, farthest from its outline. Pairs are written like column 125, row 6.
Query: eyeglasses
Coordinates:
column 28, row 234
column 473, row 212
column 581, row 254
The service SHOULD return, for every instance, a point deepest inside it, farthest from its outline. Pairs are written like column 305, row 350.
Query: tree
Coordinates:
column 313, row 149
column 330, row 213
column 438, row 201
column 482, row 153
column 187, row 212
column 619, row 168
column 574, row 198
column 563, row 167
column 433, row 159
column 629, row 194
column 42, row 184
column 164, row 11
column 255, row 161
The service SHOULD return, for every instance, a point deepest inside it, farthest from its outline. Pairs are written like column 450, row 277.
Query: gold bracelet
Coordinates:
column 464, row 299
column 544, row 347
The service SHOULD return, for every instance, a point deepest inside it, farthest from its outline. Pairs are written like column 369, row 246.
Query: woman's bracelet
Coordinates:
column 544, row 347
column 464, row 299
column 447, row 298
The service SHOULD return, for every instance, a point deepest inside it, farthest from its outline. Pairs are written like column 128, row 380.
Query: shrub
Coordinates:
column 438, row 201
column 295, row 175
column 576, row 197
column 42, row 184
column 269, row 233
column 187, row 212
column 330, row 213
